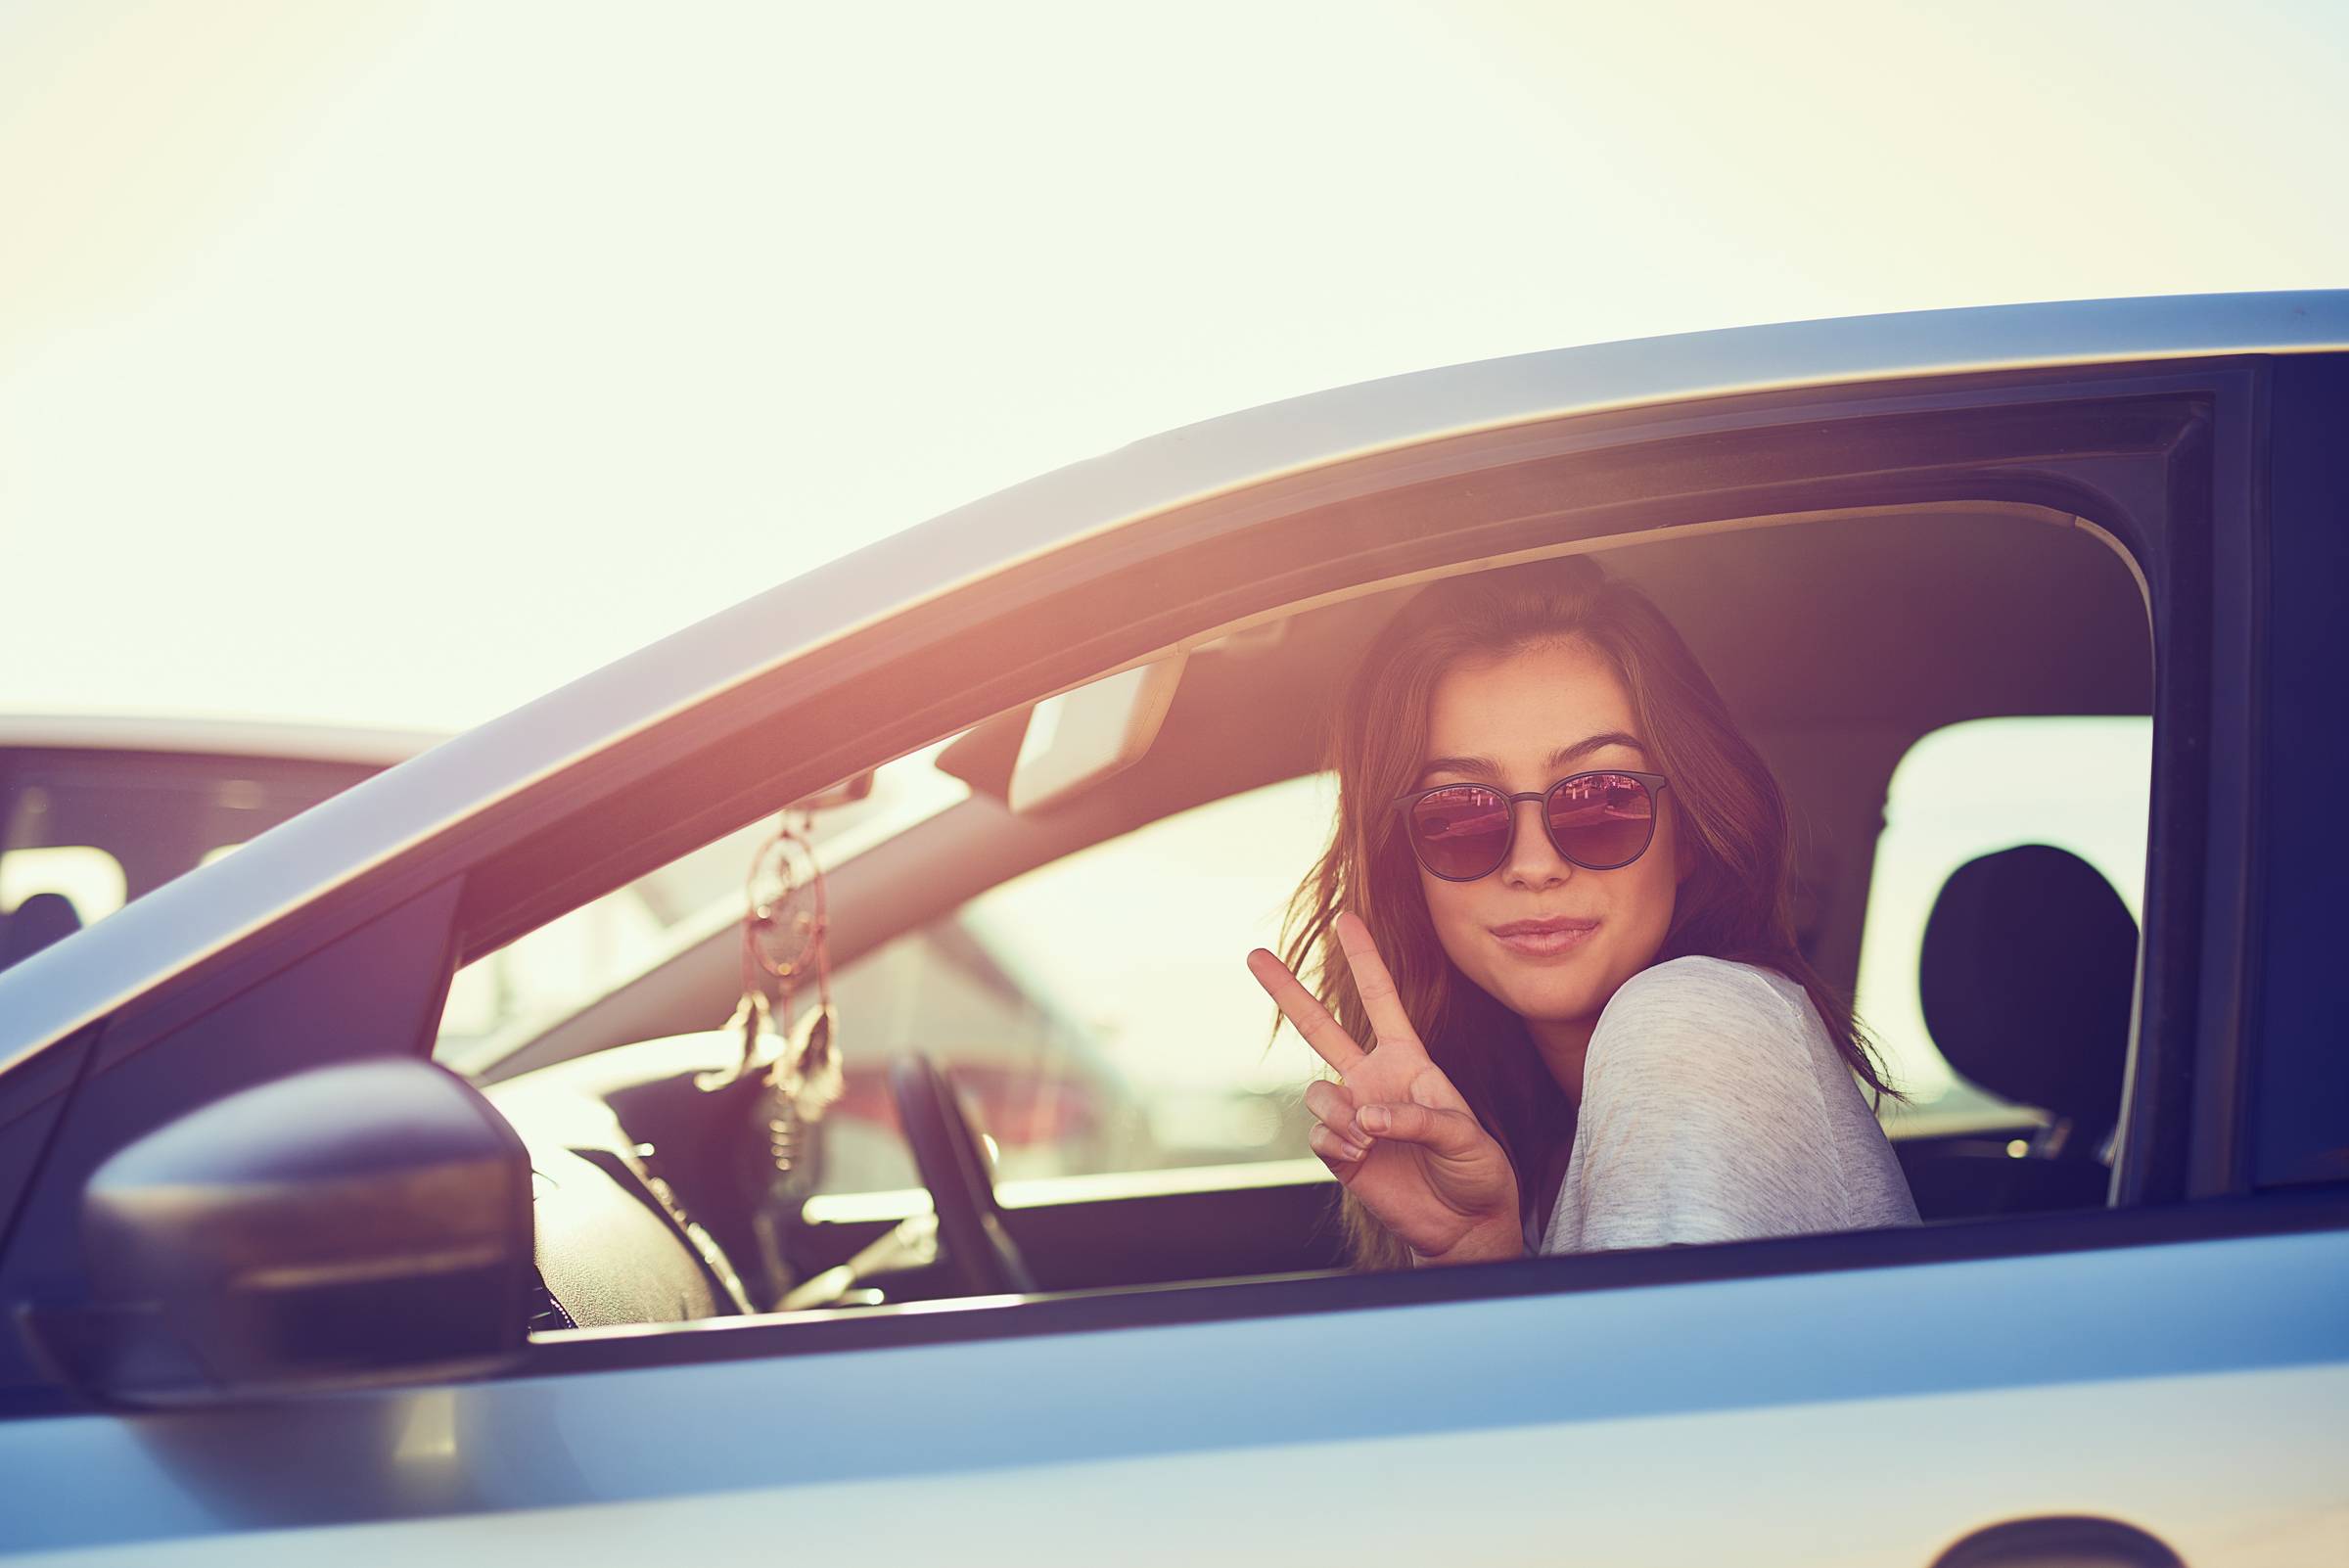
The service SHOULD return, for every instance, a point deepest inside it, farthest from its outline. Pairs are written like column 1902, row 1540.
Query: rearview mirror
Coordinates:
column 847, row 791
column 359, row 1225
column 1075, row 740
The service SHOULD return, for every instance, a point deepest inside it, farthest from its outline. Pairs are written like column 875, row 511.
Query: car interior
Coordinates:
column 664, row 1190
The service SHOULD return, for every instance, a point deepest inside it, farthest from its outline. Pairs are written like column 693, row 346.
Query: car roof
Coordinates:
column 82, row 978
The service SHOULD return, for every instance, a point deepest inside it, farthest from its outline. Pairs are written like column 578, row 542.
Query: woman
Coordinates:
column 1570, row 1013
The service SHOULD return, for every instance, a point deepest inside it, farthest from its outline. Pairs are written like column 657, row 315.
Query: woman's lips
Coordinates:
column 1543, row 939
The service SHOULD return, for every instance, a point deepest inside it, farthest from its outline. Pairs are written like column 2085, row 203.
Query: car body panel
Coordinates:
column 2196, row 1385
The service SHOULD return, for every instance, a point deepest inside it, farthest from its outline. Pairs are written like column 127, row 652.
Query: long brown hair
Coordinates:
column 1735, row 903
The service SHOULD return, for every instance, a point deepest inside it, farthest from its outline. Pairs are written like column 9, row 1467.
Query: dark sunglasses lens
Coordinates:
column 1603, row 820
column 1460, row 832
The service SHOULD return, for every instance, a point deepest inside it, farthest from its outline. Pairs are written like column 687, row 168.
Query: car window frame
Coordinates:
column 2296, row 1089
column 2176, row 810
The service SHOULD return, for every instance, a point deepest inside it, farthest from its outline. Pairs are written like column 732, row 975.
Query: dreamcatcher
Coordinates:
column 789, row 1068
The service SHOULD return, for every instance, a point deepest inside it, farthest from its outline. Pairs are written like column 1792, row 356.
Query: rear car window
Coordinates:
column 2079, row 784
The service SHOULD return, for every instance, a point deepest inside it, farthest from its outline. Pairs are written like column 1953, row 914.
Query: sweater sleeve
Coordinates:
column 1702, row 1116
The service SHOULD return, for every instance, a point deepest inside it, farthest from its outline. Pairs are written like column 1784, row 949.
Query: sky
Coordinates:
column 391, row 364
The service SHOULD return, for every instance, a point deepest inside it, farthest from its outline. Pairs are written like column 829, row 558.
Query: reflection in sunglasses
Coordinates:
column 1600, row 822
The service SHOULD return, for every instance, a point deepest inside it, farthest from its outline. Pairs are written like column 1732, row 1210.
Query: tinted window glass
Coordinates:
column 82, row 831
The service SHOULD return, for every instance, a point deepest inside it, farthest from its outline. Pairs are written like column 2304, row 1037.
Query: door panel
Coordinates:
column 1872, row 1416
column 1805, row 1484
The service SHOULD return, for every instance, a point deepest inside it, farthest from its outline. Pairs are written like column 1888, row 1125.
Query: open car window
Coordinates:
column 1094, row 1016
column 1097, row 1013
column 1076, row 974
column 1091, row 1005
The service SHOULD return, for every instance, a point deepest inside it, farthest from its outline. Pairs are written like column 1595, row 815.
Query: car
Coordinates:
column 2031, row 609
column 95, row 809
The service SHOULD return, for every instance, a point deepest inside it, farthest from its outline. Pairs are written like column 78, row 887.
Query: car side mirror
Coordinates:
column 361, row 1224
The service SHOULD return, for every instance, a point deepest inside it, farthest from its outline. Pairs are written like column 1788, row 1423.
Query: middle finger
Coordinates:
column 1371, row 981
column 1333, row 1107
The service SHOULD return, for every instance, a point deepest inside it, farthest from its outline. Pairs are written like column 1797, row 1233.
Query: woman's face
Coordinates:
column 1521, row 724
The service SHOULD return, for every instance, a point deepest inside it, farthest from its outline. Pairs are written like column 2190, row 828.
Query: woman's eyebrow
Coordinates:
column 1487, row 768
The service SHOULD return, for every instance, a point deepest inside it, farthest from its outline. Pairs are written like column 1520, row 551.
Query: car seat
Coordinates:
column 40, row 920
column 2027, row 979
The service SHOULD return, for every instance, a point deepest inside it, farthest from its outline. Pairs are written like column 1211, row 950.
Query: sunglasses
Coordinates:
column 1600, row 822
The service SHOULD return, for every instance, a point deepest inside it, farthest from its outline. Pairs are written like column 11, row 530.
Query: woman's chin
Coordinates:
column 1549, row 999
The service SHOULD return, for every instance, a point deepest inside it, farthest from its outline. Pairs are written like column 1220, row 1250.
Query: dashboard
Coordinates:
column 665, row 1186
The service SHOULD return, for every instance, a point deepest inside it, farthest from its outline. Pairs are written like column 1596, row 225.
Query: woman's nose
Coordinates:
column 1534, row 861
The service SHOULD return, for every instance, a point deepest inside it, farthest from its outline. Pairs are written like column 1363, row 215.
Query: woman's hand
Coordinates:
column 1393, row 1128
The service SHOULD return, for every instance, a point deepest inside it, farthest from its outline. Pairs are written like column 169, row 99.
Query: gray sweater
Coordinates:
column 1715, row 1108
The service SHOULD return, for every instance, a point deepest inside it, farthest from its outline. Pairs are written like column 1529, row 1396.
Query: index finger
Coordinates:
column 1301, row 1007
column 1371, row 981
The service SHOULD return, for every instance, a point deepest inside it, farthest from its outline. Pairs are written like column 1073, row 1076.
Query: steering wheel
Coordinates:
column 979, row 1250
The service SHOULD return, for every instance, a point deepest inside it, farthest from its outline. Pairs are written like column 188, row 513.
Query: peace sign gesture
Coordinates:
column 1393, row 1128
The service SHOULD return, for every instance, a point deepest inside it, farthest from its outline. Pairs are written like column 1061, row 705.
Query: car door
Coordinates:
column 2164, row 1375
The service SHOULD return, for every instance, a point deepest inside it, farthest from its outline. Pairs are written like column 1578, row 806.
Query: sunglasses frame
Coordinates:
column 1655, row 783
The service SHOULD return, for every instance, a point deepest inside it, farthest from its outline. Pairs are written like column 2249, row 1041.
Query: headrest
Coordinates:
column 38, row 921
column 2028, row 970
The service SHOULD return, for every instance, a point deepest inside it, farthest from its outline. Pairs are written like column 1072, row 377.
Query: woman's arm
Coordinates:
column 1702, row 1116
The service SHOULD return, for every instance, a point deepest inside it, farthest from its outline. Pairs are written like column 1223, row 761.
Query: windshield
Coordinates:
column 500, row 1002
